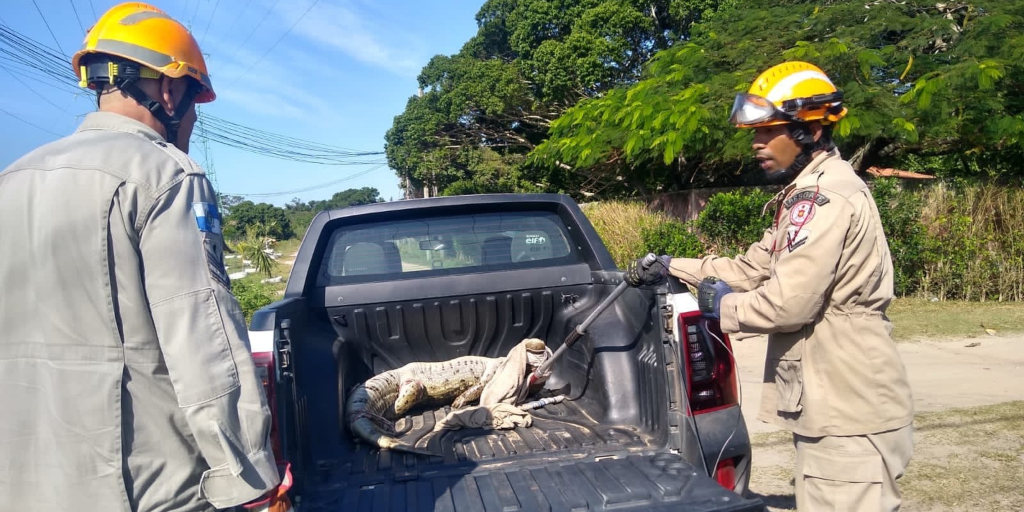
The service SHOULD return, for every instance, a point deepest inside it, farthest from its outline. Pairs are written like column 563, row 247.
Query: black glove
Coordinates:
column 647, row 270
column 709, row 296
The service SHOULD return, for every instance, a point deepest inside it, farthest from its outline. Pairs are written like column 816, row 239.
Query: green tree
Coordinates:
column 923, row 81
column 255, row 245
column 248, row 214
column 494, row 101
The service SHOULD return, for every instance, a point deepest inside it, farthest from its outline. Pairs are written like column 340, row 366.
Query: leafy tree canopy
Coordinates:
column 928, row 85
column 343, row 199
column 270, row 219
column 484, row 108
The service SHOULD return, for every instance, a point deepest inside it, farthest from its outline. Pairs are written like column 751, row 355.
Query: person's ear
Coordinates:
column 167, row 99
column 816, row 130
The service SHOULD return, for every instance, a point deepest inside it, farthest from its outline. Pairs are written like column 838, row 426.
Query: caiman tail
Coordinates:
column 366, row 429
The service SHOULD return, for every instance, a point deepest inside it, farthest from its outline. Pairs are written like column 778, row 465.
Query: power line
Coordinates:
column 208, row 22
column 258, row 25
column 77, row 17
column 276, row 42
column 48, row 27
column 93, row 10
column 238, row 17
column 30, row 123
column 310, row 188
column 32, row 89
column 194, row 14
column 38, row 63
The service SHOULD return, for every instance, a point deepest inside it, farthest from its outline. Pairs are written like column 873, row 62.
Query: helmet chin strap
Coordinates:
column 801, row 133
column 171, row 122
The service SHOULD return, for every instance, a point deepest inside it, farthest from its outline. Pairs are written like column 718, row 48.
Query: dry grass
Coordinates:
column 968, row 459
column 964, row 459
column 978, row 232
column 620, row 224
column 915, row 319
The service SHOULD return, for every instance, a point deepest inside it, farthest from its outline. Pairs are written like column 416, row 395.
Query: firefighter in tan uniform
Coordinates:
column 124, row 360
column 818, row 283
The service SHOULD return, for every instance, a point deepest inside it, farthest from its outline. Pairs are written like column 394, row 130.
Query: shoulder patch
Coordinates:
column 806, row 195
column 207, row 217
column 796, row 237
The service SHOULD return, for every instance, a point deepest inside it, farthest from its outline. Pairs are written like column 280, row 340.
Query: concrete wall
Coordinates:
column 686, row 204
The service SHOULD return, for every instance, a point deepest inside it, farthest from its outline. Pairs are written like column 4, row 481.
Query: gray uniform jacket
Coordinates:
column 126, row 377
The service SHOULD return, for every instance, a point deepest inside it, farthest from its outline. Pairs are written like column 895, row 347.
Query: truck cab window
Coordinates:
column 444, row 245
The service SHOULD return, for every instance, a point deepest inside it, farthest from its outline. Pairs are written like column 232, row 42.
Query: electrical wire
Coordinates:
column 32, row 89
column 739, row 383
column 34, row 61
column 77, row 17
column 257, row 61
column 307, row 189
column 48, row 27
column 30, row 123
column 258, row 25
column 209, row 21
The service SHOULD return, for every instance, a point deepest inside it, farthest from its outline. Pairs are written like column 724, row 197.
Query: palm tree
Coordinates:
column 256, row 245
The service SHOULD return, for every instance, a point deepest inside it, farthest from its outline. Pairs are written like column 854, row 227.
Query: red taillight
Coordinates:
column 710, row 370
column 725, row 474
column 265, row 373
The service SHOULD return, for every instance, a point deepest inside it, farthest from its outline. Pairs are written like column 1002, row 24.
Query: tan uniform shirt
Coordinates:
column 124, row 361
column 819, row 283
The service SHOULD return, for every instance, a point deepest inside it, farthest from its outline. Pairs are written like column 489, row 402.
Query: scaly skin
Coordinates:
column 392, row 394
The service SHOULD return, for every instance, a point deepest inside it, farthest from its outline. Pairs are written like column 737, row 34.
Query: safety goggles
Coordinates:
column 752, row 110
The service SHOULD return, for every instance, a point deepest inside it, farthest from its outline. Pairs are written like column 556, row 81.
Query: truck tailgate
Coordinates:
column 633, row 482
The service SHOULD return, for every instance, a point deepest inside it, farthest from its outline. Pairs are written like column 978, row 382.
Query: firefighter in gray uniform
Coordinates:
column 124, row 359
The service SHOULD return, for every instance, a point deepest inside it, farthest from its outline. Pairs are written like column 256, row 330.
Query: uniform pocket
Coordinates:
column 843, row 459
column 786, row 352
column 789, row 384
column 195, row 347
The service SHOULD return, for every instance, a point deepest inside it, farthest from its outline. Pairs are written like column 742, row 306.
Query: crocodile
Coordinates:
column 374, row 406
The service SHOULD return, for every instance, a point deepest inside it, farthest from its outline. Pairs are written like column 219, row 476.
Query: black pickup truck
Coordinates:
column 651, row 420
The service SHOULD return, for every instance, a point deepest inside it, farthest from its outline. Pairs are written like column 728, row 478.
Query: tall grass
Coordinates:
column 949, row 240
column 621, row 225
column 975, row 247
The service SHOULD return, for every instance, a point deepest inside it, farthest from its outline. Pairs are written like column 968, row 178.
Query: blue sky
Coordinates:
column 339, row 77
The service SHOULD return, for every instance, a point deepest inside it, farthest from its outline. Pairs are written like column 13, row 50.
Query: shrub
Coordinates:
column 732, row 221
column 251, row 295
column 673, row 238
column 900, row 213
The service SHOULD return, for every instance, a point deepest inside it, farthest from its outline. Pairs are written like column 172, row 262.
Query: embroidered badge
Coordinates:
column 796, row 237
column 806, row 195
column 802, row 213
column 207, row 217
column 215, row 260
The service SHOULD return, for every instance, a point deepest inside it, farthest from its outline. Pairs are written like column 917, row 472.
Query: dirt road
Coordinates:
column 943, row 375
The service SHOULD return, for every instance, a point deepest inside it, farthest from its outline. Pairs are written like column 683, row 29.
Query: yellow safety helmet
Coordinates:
column 142, row 34
column 787, row 93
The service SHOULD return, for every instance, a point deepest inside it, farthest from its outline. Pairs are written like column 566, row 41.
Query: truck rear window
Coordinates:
column 444, row 245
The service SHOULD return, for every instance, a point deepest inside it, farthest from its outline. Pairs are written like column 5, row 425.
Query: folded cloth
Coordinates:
column 502, row 392
column 497, row 416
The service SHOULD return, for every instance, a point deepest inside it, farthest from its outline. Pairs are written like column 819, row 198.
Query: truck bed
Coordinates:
column 602, row 449
column 502, row 268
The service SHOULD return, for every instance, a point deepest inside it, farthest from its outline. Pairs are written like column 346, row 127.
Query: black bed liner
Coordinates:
column 556, row 429
column 633, row 482
column 562, row 462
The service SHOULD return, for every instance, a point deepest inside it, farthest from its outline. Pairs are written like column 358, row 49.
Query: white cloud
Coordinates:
column 263, row 89
column 360, row 38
